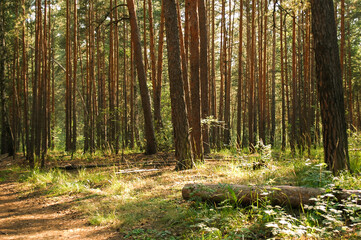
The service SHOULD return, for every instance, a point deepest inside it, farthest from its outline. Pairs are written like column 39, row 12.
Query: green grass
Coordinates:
column 145, row 206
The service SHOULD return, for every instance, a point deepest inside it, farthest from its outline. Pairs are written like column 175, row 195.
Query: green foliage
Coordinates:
column 312, row 173
column 58, row 182
column 149, row 234
column 164, row 137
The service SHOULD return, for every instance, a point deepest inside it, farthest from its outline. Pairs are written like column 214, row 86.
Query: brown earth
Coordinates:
column 36, row 217
column 32, row 215
column 29, row 214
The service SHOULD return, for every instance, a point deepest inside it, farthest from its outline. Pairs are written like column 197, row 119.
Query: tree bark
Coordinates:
column 246, row 195
column 195, row 96
column 158, row 88
column 179, row 114
column 329, row 83
column 240, row 73
column 6, row 140
column 151, row 146
column 204, row 71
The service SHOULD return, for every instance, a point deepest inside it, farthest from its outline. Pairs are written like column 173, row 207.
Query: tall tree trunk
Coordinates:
column 44, row 110
column 25, row 85
column 204, row 71
column 240, row 76
column 132, row 99
column 283, row 146
column 265, row 107
column 157, row 113
column 184, row 59
column 273, row 91
column 251, row 111
column 227, row 80
column 222, row 71
column 349, row 79
column 158, row 89
column 213, row 98
column 68, row 92
column 6, row 140
column 329, row 83
column 111, row 83
column 260, row 73
column 294, row 89
column 151, row 146
column 179, row 114
column 195, row 96
column 75, row 61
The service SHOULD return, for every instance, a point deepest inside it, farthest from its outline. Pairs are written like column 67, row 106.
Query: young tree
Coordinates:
column 179, row 114
column 329, row 83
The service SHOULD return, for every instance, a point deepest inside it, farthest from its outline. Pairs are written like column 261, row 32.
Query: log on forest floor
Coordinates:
column 137, row 171
column 245, row 195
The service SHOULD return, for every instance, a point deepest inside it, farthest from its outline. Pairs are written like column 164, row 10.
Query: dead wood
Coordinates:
column 245, row 195
column 137, row 171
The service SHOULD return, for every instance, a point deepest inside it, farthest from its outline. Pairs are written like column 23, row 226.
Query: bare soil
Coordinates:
column 29, row 214
column 32, row 215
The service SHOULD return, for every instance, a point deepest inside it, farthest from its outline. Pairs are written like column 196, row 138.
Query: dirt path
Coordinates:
column 37, row 217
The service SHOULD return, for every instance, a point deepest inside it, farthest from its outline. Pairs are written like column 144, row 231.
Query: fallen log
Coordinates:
column 245, row 195
column 137, row 171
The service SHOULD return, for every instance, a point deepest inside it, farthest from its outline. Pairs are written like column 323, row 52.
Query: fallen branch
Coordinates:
column 246, row 195
column 137, row 171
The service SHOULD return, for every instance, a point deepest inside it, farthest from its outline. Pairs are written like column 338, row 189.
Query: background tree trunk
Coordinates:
column 151, row 146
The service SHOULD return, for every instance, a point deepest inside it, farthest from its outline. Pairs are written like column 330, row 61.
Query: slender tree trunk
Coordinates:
column 25, row 85
column 240, row 76
column 251, row 111
column 157, row 113
column 260, row 73
column 222, row 71
column 75, row 61
column 283, row 86
column 265, row 76
column 68, row 92
column 111, row 83
column 213, row 94
column 44, row 93
column 184, row 59
column 132, row 99
column 158, row 89
column 294, row 88
column 227, row 85
column 195, row 82
column 273, row 94
column 349, row 80
column 151, row 146
column 204, row 71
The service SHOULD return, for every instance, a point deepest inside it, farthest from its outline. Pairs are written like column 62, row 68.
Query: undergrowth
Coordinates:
column 146, row 206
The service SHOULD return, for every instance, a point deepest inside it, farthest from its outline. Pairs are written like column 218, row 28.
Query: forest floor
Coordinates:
column 33, row 215
column 136, row 196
